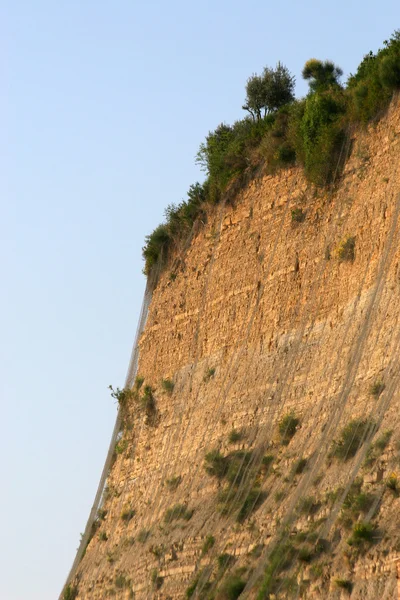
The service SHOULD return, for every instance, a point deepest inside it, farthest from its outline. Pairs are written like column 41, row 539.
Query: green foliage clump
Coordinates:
column 122, row 396
column 209, row 374
column 352, row 437
column 70, row 592
column 127, row 514
column 103, row 537
column 299, row 466
column 322, row 134
column 242, row 502
column 362, row 532
column 288, row 427
column 216, row 464
column 232, row 586
column 377, row 388
column 280, row 559
column 298, row 215
column 143, row 536
column 179, row 511
column 377, row 77
column 235, row 436
column 173, row 482
column 148, row 401
column 122, row 582
column 344, row 584
column 267, row 461
column 307, row 505
column 167, row 386
column 392, row 483
column 121, row 446
column 224, row 561
column 156, row 579
column 346, row 249
column 208, row 544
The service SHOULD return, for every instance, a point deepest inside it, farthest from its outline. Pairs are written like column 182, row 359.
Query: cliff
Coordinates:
column 272, row 334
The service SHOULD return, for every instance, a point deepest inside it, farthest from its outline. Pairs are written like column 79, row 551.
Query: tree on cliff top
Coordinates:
column 321, row 75
column 269, row 91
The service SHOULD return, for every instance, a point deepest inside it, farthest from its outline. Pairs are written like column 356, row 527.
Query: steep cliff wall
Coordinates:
column 268, row 313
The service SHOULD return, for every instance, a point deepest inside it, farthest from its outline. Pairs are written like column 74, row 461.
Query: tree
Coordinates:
column 321, row 75
column 269, row 91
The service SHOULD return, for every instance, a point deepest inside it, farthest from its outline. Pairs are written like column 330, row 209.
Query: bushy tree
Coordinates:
column 267, row 92
column 321, row 74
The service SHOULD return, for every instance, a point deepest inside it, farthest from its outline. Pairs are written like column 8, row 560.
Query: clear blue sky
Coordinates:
column 103, row 107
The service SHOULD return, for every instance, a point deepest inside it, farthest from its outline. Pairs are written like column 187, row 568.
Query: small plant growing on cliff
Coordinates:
column 127, row 514
column 235, row 436
column 103, row 537
column 346, row 249
column 167, row 386
column 143, row 536
column 392, row 483
column 122, row 396
column 70, row 592
column 288, row 427
column 216, row 464
column 208, row 544
column 299, row 466
column 352, row 437
column 377, row 388
column 156, row 580
column 362, row 533
column 173, row 482
column 179, row 511
column 232, row 586
column 122, row 582
column 121, row 446
column 148, row 401
column 298, row 215
column 344, row 584
column 209, row 374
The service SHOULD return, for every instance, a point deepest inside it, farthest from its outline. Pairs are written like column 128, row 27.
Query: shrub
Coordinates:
column 287, row 428
column 299, row 466
column 224, row 561
column 239, row 464
column 344, row 584
column 243, row 502
column 356, row 501
column 232, row 587
column 321, row 75
column 377, row 388
column 383, row 440
column 352, row 437
column 156, row 580
column 208, row 544
column 179, row 511
column 122, row 396
column 307, row 505
column 298, row 215
column 148, row 402
column 143, row 535
column 70, row 592
column 101, row 514
column 216, row 464
column 235, row 436
column 362, row 532
column 346, row 249
column 209, row 374
column 267, row 461
column 173, row 482
column 121, row 446
column 121, row 582
column 305, row 555
column 127, row 514
column 138, row 382
column 103, row 537
column 392, row 483
column 167, row 386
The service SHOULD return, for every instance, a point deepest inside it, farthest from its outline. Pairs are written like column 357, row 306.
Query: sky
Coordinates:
column 102, row 111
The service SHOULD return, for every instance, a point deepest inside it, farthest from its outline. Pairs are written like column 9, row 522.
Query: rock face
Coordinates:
column 277, row 329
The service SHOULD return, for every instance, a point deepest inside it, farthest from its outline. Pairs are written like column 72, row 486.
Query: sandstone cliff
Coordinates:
column 268, row 314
